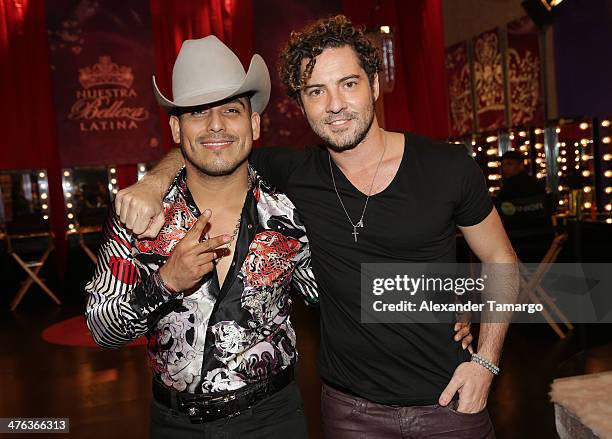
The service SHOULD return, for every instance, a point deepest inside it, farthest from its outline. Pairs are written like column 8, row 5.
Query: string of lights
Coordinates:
column 563, row 154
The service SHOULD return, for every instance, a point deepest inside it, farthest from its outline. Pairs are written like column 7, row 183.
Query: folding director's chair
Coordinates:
column 25, row 224
column 532, row 291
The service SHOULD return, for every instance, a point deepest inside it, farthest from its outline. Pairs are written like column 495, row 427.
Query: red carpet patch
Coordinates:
column 74, row 332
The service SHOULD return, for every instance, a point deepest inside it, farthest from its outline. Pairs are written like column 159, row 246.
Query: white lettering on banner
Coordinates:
column 110, row 125
column 100, row 108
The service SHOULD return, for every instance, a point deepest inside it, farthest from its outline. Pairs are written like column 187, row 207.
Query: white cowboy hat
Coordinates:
column 207, row 71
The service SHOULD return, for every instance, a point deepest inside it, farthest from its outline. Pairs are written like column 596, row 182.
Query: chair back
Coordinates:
column 25, row 210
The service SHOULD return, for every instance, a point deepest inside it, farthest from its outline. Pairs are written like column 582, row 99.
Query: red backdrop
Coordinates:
column 489, row 82
column 175, row 21
column 28, row 126
column 524, row 76
column 461, row 109
column 419, row 100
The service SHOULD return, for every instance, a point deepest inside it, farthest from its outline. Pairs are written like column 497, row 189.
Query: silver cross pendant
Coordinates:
column 355, row 227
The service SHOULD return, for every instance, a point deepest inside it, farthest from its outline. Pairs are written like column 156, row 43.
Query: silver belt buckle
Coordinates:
column 201, row 411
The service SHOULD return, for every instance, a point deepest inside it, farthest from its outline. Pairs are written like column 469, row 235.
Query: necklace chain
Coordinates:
column 365, row 206
column 237, row 228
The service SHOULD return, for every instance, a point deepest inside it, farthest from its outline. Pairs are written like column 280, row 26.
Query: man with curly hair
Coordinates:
column 372, row 196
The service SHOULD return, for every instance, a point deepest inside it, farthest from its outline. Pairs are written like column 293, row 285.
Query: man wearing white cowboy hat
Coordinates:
column 211, row 290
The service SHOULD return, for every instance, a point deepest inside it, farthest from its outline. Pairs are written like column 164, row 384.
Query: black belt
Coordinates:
column 205, row 408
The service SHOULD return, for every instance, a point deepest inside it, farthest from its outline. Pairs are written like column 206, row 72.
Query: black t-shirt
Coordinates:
column 436, row 187
column 525, row 208
column 520, row 186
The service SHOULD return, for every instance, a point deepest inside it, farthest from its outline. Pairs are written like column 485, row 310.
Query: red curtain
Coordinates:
column 28, row 127
column 418, row 102
column 28, row 135
column 126, row 175
column 175, row 21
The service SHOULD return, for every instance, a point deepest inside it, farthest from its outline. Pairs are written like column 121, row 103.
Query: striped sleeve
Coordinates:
column 121, row 300
column 303, row 279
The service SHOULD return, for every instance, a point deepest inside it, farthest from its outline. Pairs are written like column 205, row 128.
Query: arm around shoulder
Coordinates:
column 139, row 206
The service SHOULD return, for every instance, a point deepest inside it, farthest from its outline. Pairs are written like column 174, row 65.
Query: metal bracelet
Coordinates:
column 486, row 364
column 162, row 285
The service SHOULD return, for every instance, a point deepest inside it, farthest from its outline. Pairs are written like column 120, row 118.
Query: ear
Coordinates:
column 175, row 128
column 255, row 125
column 375, row 87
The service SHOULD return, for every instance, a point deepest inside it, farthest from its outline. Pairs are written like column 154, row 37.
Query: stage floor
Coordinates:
column 105, row 393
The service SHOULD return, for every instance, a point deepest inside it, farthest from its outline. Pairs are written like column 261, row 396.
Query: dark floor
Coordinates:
column 105, row 393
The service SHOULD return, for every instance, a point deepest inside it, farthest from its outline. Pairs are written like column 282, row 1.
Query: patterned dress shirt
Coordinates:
column 216, row 339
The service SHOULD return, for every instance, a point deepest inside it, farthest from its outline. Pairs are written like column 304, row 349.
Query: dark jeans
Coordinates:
column 347, row 416
column 279, row 416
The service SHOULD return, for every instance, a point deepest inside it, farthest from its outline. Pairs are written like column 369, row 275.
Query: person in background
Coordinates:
column 516, row 181
column 525, row 209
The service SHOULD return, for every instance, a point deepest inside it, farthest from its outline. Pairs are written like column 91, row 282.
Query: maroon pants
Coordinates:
column 348, row 416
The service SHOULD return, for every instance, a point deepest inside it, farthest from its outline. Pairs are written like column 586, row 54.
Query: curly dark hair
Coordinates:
column 309, row 43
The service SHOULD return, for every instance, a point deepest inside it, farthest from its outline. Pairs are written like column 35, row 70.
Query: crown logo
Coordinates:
column 106, row 72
